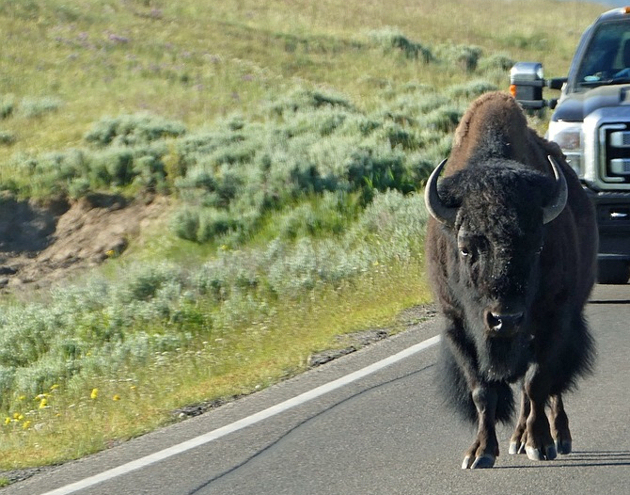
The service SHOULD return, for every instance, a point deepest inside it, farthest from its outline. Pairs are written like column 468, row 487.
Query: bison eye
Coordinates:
column 464, row 251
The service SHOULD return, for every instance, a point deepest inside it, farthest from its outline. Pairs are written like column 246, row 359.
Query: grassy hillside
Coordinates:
column 294, row 138
column 66, row 65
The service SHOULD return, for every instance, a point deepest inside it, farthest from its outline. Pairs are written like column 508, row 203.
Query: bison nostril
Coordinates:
column 503, row 322
column 494, row 321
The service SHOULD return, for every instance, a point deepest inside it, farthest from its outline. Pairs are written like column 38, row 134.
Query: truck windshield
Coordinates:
column 606, row 59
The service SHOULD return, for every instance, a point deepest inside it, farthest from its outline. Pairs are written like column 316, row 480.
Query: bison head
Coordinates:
column 493, row 219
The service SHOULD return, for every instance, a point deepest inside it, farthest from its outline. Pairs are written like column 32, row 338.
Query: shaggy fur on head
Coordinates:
column 504, row 193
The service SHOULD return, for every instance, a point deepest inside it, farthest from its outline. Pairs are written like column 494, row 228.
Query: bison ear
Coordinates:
column 554, row 207
column 438, row 210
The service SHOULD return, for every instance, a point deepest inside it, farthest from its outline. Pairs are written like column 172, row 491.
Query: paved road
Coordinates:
column 383, row 433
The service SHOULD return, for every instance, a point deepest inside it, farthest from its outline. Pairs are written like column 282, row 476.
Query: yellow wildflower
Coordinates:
column 43, row 403
column 22, row 397
column 7, row 420
column 94, row 394
column 26, row 424
column 116, row 397
column 54, row 387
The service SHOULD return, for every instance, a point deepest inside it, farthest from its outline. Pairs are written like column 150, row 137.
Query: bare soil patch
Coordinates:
column 41, row 243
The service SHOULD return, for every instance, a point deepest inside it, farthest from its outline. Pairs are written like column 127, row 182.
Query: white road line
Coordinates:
column 243, row 423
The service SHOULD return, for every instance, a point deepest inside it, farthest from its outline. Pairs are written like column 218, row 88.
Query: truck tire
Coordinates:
column 613, row 272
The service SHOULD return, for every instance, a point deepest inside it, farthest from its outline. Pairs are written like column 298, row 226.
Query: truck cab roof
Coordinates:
column 599, row 75
column 603, row 54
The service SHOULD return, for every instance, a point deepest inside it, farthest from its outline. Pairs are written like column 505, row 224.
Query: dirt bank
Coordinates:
column 40, row 243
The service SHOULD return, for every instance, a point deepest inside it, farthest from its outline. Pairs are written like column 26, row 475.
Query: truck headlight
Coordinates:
column 568, row 135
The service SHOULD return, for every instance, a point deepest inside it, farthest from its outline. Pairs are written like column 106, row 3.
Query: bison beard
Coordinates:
column 511, row 249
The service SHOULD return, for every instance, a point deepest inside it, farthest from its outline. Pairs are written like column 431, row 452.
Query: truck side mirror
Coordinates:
column 556, row 82
column 526, row 84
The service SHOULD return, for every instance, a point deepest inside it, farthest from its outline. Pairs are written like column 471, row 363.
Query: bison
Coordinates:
column 511, row 253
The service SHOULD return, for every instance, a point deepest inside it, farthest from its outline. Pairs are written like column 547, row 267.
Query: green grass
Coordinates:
column 294, row 139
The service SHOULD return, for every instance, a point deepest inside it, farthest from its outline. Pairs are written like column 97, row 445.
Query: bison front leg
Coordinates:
column 539, row 444
column 461, row 376
column 485, row 448
column 517, row 442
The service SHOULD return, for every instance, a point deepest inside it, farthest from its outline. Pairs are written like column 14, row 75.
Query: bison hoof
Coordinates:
column 563, row 447
column 483, row 462
column 516, row 448
column 547, row 453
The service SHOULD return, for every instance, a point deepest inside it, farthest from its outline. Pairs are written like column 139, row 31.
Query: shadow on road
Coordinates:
column 581, row 459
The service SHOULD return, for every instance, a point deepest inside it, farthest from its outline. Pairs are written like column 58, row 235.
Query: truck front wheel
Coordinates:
column 613, row 272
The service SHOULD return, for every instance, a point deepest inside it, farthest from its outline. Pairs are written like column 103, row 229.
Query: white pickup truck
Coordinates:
column 591, row 123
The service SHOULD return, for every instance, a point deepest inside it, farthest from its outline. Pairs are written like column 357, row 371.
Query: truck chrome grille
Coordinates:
column 614, row 141
column 620, row 166
column 620, row 139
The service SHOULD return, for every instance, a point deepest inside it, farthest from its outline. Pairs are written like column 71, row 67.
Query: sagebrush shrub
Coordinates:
column 390, row 39
column 129, row 130
column 500, row 61
column 464, row 56
column 305, row 100
column 443, row 120
column 213, row 223
column 472, row 89
column 7, row 106
column 36, row 107
column 7, row 137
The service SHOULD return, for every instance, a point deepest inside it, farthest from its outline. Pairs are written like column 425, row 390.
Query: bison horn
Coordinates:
column 557, row 204
column 435, row 207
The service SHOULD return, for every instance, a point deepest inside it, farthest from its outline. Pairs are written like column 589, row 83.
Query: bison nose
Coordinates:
column 503, row 324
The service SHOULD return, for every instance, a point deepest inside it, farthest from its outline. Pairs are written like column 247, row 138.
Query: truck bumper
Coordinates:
column 613, row 223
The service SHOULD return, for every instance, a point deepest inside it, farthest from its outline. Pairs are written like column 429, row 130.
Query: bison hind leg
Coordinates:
column 457, row 392
column 560, row 426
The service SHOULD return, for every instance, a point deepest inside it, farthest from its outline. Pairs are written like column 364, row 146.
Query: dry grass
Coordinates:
column 199, row 59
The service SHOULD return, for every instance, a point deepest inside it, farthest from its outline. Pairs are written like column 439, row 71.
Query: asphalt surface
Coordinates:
column 385, row 432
